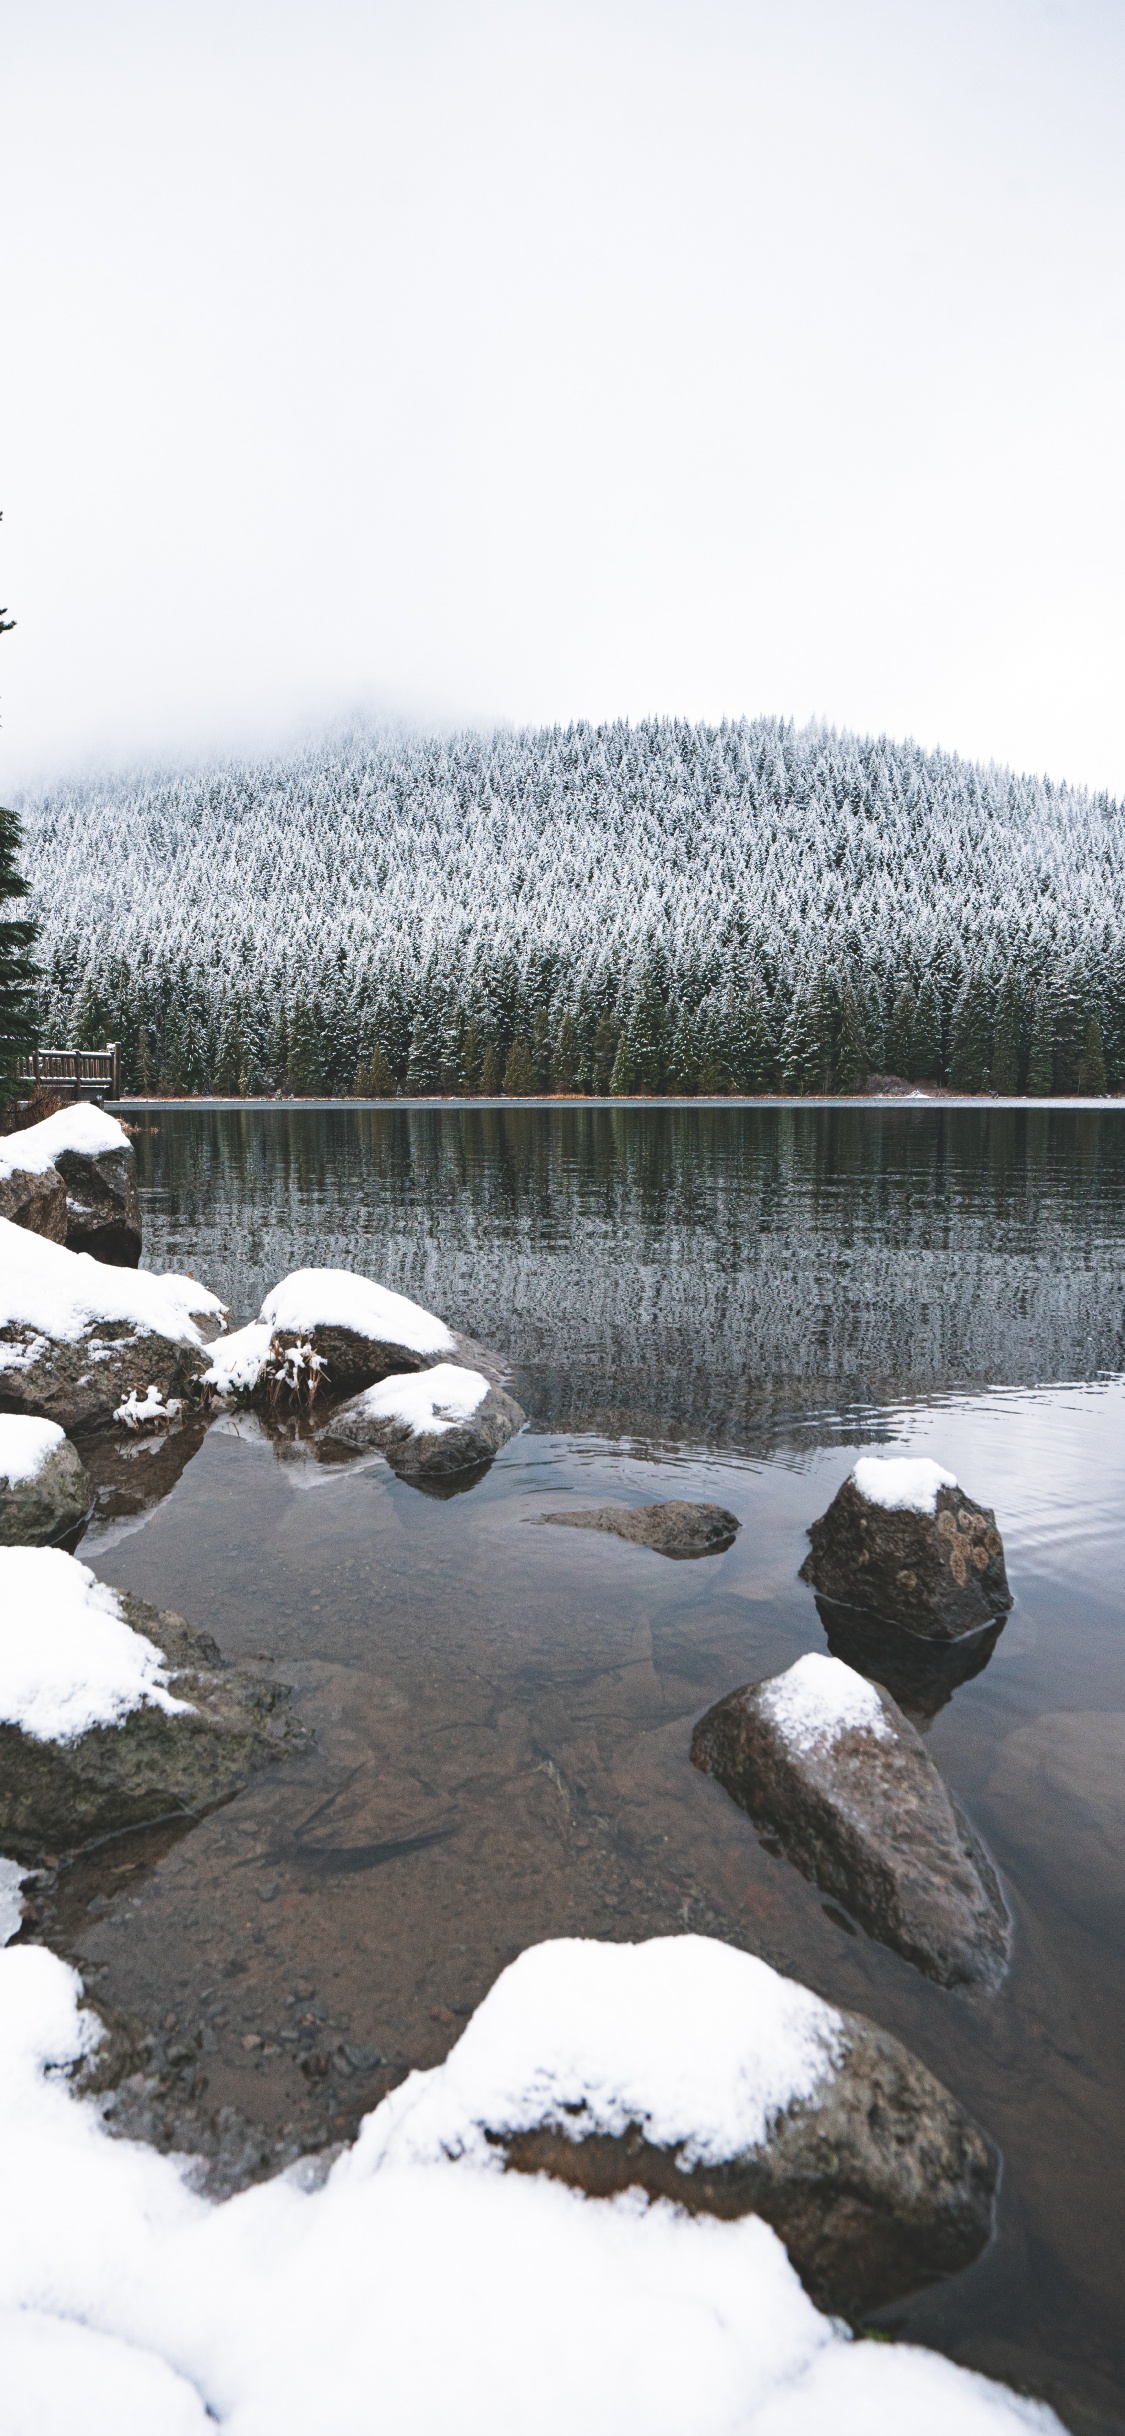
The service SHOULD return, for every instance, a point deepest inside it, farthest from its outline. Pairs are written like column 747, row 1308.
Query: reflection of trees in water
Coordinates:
column 712, row 1271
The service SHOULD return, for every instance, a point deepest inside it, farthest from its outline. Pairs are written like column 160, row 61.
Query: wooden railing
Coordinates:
column 74, row 1071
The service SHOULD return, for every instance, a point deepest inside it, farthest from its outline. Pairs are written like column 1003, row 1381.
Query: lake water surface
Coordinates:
column 708, row 1303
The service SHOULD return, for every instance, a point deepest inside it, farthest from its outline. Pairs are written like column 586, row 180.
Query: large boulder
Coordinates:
column 34, row 1198
column 45, row 1490
column 690, row 2071
column 834, row 1776
column 432, row 1422
column 674, row 1527
column 77, row 1337
column 361, row 1330
column 902, row 1540
column 112, row 1712
column 85, row 1158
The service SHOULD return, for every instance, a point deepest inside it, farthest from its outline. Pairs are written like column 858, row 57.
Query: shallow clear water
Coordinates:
column 722, row 1304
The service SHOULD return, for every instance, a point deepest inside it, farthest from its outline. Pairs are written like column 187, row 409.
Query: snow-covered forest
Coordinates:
column 667, row 907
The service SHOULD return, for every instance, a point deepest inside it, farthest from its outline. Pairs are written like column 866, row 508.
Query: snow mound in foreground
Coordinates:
column 338, row 1298
column 819, row 1698
column 80, row 1127
column 62, row 1294
column 903, row 1483
column 68, row 1660
column 25, row 1446
column 405, row 2297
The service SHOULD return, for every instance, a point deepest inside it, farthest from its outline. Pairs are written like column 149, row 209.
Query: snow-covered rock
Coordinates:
column 429, row 1422
column 111, row 1711
column 834, row 1776
column 902, row 1540
column 362, row 1330
column 44, row 1487
column 77, row 1335
column 93, row 1156
column 674, row 1527
column 414, row 2295
column 32, row 1197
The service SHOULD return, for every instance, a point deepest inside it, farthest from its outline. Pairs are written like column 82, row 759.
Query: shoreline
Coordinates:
column 889, row 1099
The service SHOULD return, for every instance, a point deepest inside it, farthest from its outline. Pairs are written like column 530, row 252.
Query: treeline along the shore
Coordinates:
column 666, row 907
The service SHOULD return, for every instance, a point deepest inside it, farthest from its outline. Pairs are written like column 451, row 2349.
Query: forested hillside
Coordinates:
column 666, row 907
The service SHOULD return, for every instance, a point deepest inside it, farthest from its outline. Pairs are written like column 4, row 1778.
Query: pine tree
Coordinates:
column 683, row 1057
column 519, row 1073
column 851, row 1045
column 970, row 1040
column 423, row 1072
column 604, row 1054
column 1007, row 1041
column 564, row 1064
column 646, row 1032
column 925, row 1035
column 305, row 1068
column 1041, row 1055
column 381, row 1084
column 621, row 1078
column 1070, row 1029
column 471, row 1057
column 489, row 1085
column 900, row 1032
column 18, row 973
column 541, row 1048
column 806, row 1045
column 1091, row 1070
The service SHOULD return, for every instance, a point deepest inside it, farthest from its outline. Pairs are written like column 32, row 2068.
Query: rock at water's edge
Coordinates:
column 864, row 1813
column 674, row 1527
column 417, row 1452
column 939, row 1573
column 877, row 2184
column 103, row 1209
column 36, row 1512
column 36, row 1201
column 56, row 1796
column 76, row 1384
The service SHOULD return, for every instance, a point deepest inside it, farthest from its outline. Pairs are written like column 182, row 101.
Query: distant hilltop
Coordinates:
column 662, row 907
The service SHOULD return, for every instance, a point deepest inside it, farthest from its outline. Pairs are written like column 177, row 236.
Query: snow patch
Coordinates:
column 236, row 1363
column 25, row 1446
column 137, row 1411
column 62, row 1294
column 413, row 2296
column 701, row 2045
column 428, row 1402
column 904, row 1483
column 80, row 1127
column 337, row 1298
column 12, row 1875
column 68, row 1660
column 819, row 1699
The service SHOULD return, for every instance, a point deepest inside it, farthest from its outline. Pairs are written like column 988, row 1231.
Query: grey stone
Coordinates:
column 675, row 1527
column 103, row 1209
column 80, row 1383
column 57, row 1796
column 939, row 1574
column 353, row 1362
column 434, row 1454
column 37, row 1202
column 872, row 1822
column 34, row 1513
column 878, row 2183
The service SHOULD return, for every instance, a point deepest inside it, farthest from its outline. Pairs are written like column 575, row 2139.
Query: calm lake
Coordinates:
column 710, row 1303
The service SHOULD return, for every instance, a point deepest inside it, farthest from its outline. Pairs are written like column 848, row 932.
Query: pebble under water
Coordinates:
column 722, row 1304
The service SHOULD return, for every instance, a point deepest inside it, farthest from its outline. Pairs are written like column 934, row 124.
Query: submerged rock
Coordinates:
column 674, row 1527
column 1057, row 1793
column 45, row 1490
column 78, row 1336
column 693, row 2072
column 84, row 1161
column 902, row 1540
column 835, row 1777
column 434, row 1422
column 113, row 1712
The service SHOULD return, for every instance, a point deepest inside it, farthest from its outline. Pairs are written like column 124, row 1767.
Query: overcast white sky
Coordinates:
column 528, row 360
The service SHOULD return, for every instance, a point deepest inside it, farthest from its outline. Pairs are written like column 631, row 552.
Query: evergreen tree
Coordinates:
column 875, row 1029
column 925, row 1035
column 806, row 1044
column 1007, row 1040
column 541, row 1048
column 970, row 1040
column 519, row 1073
column 1041, row 1054
column 564, row 1064
column 683, row 1056
column 489, row 1085
column 305, row 1067
column 472, row 1057
column 424, row 1067
column 851, row 1045
column 374, row 1079
column 18, row 973
column 606, row 1038
column 1091, row 1070
column 1070, row 1029
column 621, row 1078
column 900, row 1033
column 646, row 1033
